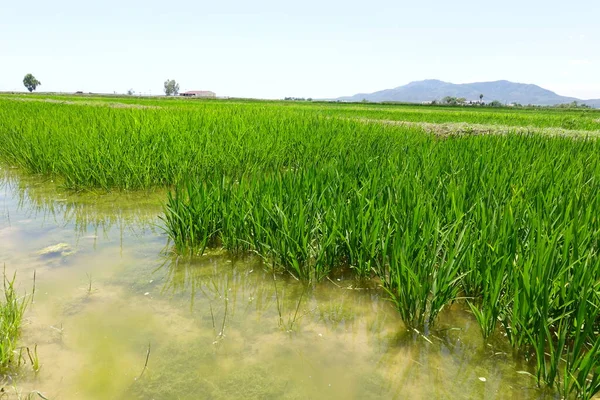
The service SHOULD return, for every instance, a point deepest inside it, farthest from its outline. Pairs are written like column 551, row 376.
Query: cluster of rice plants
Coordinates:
column 104, row 147
column 12, row 309
column 505, row 224
column 509, row 223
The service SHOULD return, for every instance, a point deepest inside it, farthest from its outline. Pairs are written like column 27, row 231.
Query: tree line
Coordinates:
column 171, row 87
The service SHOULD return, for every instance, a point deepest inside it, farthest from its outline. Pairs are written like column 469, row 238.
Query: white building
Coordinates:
column 198, row 93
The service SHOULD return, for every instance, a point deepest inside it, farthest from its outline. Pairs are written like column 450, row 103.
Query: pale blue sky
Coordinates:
column 309, row 48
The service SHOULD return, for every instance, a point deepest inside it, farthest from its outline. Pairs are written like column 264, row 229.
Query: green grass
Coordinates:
column 12, row 309
column 586, row 119
column 506, row 224
column 104, row 147
column 509, row 223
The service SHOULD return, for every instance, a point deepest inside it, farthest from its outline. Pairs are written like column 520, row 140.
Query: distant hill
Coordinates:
column 503, row 91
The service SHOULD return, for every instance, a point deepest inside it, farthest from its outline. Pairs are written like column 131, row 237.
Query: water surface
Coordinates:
column 110, row 295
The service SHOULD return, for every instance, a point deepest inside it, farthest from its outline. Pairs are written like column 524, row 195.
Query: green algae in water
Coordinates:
column 60, row 249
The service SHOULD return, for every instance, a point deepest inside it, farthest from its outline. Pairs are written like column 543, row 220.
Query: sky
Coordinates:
column 308, row 48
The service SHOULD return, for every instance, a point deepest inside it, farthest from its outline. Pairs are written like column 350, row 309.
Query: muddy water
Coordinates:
column 110, row 295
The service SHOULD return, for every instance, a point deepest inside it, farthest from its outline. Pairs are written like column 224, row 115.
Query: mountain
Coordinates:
column 503, row 91
column 593, row 103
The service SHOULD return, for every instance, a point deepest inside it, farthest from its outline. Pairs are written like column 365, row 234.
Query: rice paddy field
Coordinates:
column 184, row 249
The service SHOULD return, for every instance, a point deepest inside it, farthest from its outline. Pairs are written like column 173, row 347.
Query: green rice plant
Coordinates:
column 423, row 274
column 538, row 118
column 507, row 222
column 488, row 217
column 488, row 266
column 34, row 359
column 12, row 309
column 561, row 320
column 369, row 226
column 190, row 216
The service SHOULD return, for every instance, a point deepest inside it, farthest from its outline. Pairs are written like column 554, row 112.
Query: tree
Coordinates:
column 171, row 87
column 130, row 92
column 496, row 103
column 481, row 98
column 31, row 83
column 450, row 100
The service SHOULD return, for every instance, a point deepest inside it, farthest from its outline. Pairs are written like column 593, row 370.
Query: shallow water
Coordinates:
column 110, row 295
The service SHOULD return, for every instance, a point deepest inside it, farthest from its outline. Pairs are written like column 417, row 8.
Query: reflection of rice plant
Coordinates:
column 89, row 287
column 220, row 336
column 145, row 363
column 35, row 394
column 336, row 314
column 289, row 327
column 293, row 316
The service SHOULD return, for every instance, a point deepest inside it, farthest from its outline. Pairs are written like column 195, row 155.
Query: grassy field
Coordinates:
column 584, row 119
column 505, row 224
column 572, row 119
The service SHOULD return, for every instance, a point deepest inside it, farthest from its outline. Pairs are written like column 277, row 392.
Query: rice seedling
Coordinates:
column 12, row 309
column 145, row 363
column 508, row 223
column 34, row 359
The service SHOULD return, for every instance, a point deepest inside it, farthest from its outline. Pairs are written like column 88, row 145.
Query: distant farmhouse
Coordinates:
column 198, row 93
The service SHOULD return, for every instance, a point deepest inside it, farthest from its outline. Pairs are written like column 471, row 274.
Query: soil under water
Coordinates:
column 116, row 315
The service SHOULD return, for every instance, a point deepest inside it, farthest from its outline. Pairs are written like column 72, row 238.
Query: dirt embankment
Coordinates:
column 463, row 128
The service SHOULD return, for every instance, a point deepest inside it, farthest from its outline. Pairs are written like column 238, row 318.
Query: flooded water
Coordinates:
column 116, row 315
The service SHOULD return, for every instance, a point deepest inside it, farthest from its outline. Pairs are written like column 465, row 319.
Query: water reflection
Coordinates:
column 88, row 213
column 326, row 330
